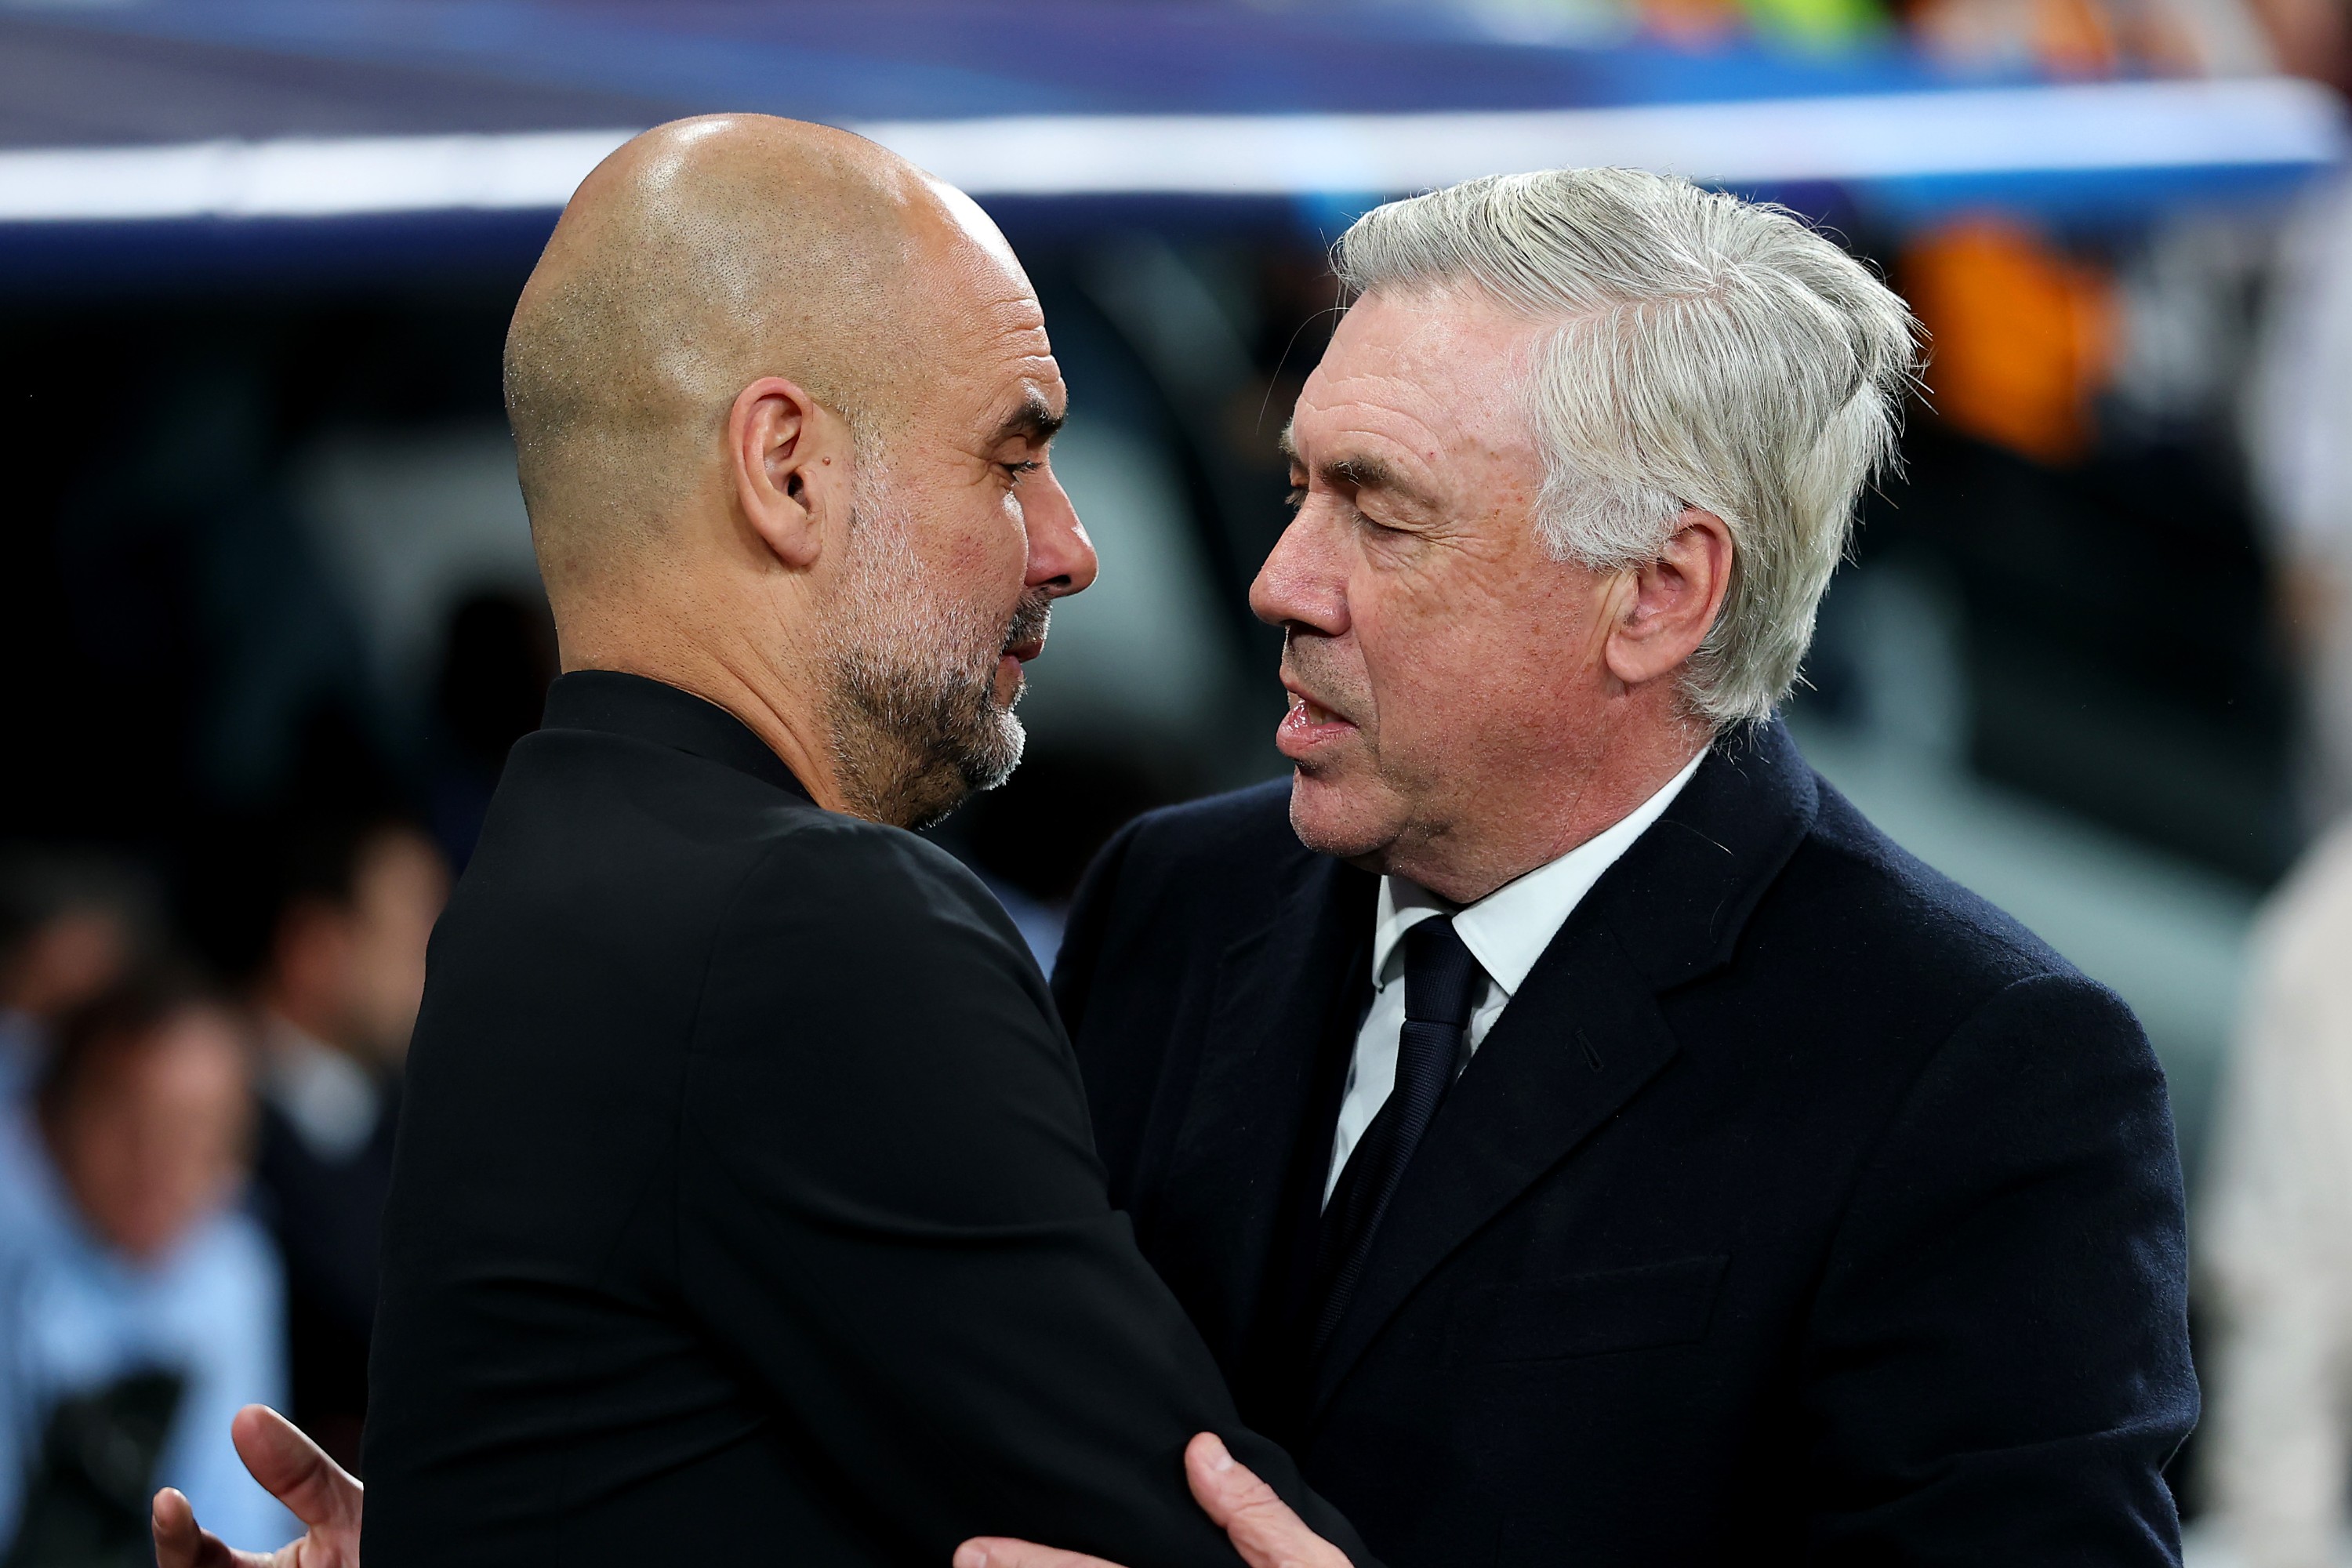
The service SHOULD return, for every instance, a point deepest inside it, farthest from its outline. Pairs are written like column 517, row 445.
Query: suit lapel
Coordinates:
column 1276, row 988
column 1585, row 1033
column 1581, row 1037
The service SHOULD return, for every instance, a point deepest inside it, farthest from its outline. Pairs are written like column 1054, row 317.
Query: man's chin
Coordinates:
column 1332, row 817
column 993, row 763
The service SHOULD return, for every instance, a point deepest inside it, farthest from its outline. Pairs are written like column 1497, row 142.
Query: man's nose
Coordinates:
column 1061, row 557
column 1300, row 583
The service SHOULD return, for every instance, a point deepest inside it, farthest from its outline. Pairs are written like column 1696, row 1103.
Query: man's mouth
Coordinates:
column 1310, row 724
column 1024, row 639
column 1011, row 662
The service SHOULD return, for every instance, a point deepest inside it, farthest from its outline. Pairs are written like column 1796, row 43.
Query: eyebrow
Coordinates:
column 1361, row 471
column 1364, row 472
column 1035, row 419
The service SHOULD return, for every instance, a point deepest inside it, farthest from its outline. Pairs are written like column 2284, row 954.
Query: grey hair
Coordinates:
column 1710, row 353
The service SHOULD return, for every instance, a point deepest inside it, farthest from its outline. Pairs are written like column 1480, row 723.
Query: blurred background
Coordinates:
column 267, row 590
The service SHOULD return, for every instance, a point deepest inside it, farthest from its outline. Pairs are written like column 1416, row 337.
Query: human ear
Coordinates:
column 790, row 460
column 1674, row 600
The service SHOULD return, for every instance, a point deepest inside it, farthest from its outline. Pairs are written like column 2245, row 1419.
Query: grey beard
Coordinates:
column 912, row 710
column 913, row 744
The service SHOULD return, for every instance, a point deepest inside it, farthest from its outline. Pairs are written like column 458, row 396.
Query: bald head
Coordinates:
column 698, row 257
column 781, row 407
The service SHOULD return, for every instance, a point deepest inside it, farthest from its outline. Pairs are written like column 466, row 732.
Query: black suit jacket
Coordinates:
column 744, row 1208
column 1800, row 1207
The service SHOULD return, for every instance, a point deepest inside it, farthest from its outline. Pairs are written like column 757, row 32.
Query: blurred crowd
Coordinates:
column 2068, row 37
column 192, row 1164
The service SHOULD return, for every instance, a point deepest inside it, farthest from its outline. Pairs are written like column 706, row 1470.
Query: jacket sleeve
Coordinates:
column 890, row 1215
column 1997, row 1365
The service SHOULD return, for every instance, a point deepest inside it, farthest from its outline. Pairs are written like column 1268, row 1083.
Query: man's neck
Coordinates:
column 1478, row 856
column 790, row 721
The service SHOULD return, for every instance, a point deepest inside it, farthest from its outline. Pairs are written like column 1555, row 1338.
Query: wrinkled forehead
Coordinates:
column 1433, row 371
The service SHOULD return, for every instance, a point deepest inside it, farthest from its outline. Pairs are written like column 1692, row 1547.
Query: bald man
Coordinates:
column 745, row 1206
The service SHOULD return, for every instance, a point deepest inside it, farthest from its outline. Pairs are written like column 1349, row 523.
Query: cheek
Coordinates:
column 1463, row 669
column 984, row 552
column 1427, row 654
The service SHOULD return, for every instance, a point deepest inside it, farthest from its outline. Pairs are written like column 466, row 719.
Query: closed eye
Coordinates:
column 1017, row 471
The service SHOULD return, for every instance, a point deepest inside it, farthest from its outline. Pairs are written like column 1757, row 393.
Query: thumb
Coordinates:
column 1260, row 1526
column 178, row 1542
column 294, row 1469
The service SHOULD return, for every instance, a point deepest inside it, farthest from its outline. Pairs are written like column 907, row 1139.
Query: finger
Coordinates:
column 1228, row 1490
column 294, row 1469
column 178, row 1542
column 997, row 1551
column 1260, row 1526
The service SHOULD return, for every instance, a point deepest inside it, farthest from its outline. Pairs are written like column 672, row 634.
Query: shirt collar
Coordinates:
column 332, row 1101
column 650, row 710
column 1508, row 930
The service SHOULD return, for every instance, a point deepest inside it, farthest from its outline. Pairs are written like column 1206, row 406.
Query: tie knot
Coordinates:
column 1439, row 975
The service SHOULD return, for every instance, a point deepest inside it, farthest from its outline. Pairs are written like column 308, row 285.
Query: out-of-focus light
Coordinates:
column 300, row 178
column 2088, row 127
column 2091, row 126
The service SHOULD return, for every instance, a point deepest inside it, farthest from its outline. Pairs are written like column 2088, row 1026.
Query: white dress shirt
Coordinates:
column 332, row 1101
column 1506, row 931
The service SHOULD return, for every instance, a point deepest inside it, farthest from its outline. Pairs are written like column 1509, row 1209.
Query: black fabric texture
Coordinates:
column 1800, row 1207
column 744, row 1207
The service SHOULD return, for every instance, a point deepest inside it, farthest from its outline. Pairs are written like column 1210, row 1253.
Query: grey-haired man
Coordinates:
column 1580, row 1136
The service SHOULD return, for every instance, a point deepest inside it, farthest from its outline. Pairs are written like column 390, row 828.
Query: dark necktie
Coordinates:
column 1440, row 976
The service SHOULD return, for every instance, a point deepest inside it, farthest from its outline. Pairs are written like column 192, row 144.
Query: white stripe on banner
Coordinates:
column 2085, row 127
column 2089, row 127
column 299, row 177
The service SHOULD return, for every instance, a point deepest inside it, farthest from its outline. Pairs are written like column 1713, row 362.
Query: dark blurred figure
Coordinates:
column 495, row 672
column 190, row 588
column 139, row 1306
column 336, row 993
column 70, row 923
column 1033, row 839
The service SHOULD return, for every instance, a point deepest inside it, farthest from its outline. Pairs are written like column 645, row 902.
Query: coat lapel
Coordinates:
column 1574, row 1044
column 1276, row 988
column 1585, row 1033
